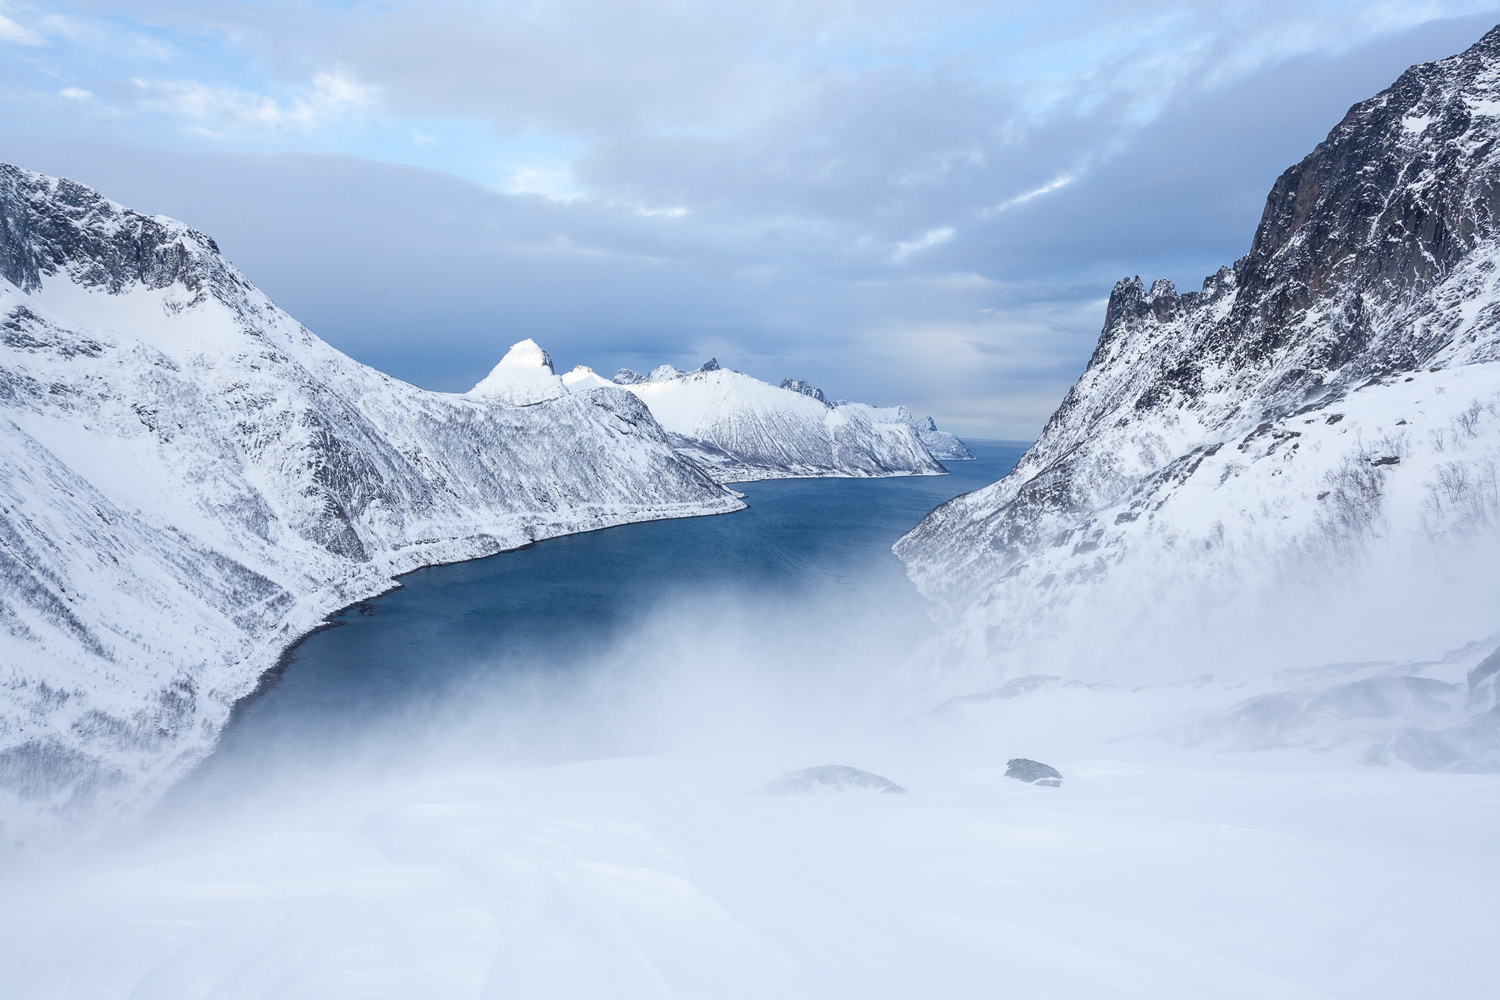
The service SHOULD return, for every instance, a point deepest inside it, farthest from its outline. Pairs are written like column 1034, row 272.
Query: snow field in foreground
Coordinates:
column 1150, row 874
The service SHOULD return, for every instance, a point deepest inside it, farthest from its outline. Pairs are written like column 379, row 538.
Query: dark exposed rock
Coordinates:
column 806, row 388
column 627, row 376
column 1032, row 771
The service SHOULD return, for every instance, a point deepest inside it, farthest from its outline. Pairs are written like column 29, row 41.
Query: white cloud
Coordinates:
column 421, row 138
column 12, row 32
column 926, row 241
column 231, row 109
column 75, row 93
column 1056, row 183
column 552, row 183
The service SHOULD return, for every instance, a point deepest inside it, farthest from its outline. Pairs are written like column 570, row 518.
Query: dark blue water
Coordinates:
column 415, row 655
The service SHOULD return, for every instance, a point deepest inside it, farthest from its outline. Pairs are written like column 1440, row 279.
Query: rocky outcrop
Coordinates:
column 806, row 388
column 1033, row 772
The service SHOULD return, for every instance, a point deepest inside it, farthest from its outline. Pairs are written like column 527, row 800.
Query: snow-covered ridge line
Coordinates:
column 189, row 480
column 1327, row 408
column 743, row 429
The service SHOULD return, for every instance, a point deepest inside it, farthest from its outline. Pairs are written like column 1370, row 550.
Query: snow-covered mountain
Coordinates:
column 189, row 480
column 1321, row 416
column 941, row 445
column 742, row 429
column 523, row 377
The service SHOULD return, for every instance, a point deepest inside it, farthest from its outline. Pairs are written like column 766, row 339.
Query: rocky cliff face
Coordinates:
column 1330, row 402
column 189, row 479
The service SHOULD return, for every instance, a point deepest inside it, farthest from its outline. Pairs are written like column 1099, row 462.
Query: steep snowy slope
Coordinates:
column 189, row 479
column 742, row 429
column 1323, row 416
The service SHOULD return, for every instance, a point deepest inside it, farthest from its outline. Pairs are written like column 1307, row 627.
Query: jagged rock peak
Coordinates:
column 711, row 365
column 629, row 376
column 1382, row 211
column 806, row 388
column 52, row 226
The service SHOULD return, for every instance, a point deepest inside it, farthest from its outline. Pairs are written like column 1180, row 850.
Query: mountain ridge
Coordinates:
column 1327, row 408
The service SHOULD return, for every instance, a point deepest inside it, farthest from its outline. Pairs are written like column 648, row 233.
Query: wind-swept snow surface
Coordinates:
column 743, row 429
column 655, row 866
column 189, row 479
column 1307, row 448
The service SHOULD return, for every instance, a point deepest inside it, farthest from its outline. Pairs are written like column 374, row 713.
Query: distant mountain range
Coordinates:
column 739, row 428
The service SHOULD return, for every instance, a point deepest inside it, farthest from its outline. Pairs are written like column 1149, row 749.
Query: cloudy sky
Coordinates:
column 900, row 201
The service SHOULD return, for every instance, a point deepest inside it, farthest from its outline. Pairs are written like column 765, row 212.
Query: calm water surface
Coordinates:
column 553, row 607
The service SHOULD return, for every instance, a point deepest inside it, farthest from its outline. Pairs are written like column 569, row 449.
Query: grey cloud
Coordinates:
column 784, row 264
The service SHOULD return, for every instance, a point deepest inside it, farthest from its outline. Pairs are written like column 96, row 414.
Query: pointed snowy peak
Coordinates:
column 527, row 354
column 663, row 373
column 524, row 376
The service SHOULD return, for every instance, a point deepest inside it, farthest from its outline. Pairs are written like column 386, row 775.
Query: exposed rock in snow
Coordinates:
column 189, row 480
column 1033, row 772
column 830, row 778
column 806, row 388
column 524, row 376
column 627, row 377
column 1327, row 408
column 663, row 373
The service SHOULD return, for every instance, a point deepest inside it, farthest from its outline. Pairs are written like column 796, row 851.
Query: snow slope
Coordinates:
column 189, row 480
column 742, row 429
column 1314, row 434
column 1153, row 872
